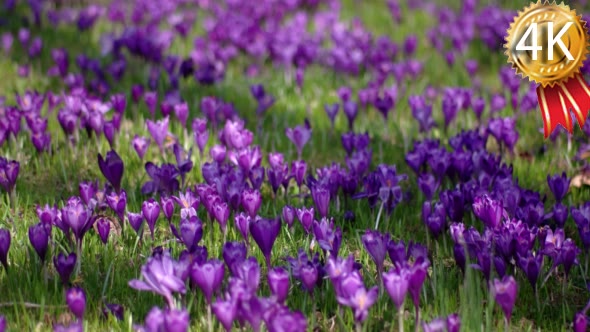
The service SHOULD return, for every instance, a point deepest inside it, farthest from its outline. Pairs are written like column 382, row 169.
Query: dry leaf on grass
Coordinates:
column 580, row 179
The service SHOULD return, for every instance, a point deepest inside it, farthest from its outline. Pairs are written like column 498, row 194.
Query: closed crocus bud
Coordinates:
column 109, row 131
column 321, row 199
column 176, row 320
column 208, row 277
column 264, row 232
column 242, row 222
column 4, row 246
column 225, row 311
column 288, row 215
column 350, row 110
column 168, row 206
column 453, row 323
column 140, row 145
column 151, row 212
column 181, row 111
column 580, row 322
column 103, row 225
column 191, row 232
column 76, row 300
column 39, row 240
column 64, row 265
column 397, row 282
column 117, row 203
column 87, row 191
column 278, row 282
column 306, row 217
column 2, row 323
column 488, row 210
column 251, row 201
column 218, row 152
column 112, row 168
column 298, row 171
column 559, row 185
column 234, row 253
column 376, row 245
column 309, row 276
column 135, row 220
column 505, row 292
column 221, row 214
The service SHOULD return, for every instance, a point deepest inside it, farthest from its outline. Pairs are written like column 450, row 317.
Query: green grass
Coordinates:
column 107, row 269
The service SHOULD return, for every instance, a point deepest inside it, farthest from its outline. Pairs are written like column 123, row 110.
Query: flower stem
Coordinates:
column 358, row 327
column 209, row 320
column 379, row 215
column 400, row 318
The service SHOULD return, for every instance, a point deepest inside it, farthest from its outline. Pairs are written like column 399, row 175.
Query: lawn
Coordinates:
column 488, row 168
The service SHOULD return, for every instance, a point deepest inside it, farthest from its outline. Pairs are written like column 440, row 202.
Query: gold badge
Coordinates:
column 548, row 43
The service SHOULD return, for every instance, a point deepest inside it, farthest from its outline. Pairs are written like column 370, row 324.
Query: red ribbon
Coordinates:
column 557, row 101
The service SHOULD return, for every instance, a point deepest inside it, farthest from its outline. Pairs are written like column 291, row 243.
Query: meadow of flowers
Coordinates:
column 282, row 165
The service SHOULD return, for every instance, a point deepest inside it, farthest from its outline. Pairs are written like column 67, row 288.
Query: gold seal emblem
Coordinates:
column 547, row 43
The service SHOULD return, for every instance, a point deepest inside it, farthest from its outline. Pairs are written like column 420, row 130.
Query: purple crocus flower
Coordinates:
column 242, row 222
column 200, row 133
column 278, row 282
column 184, row 164
column 208, row 277
column 163, row 179
column 488, row 210
column 358, row 297
column 221, row 214
column 181, row 111
column 288, row 215
column 159, row 131
column 376, row 245
column 140, row 144
column 117, row 202
column 251, row 201
column 135, row 220
column 76, row 300
column 190, row 231
column 397, row 282
column 78, row 217
column 580, row 322
column 4, row 246
column 112, row 168
column 306, row 217
column 150, row 210
column 350, row 109
column 159, row 277
column 321, row 199
column 225, row 311
column 332, row 111
column 265, row 232
column 9, row 170
column 103, row 225
column 2, row 323
column 559, row 185
column 234, row 254
column 64, row 265
column 299, row 136
column 505, row 292
column 168, row 205
column 531, row 266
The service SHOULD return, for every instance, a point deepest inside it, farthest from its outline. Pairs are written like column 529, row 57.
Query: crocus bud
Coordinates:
column 251, row 201
column 76, row 300
column 64, row 265
column 150, row 211
column 242, row 222
column 103, row 225
column 288, row 215
column 4, row 246
column 39, row 240
column 278, row 282
column 208, row 277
